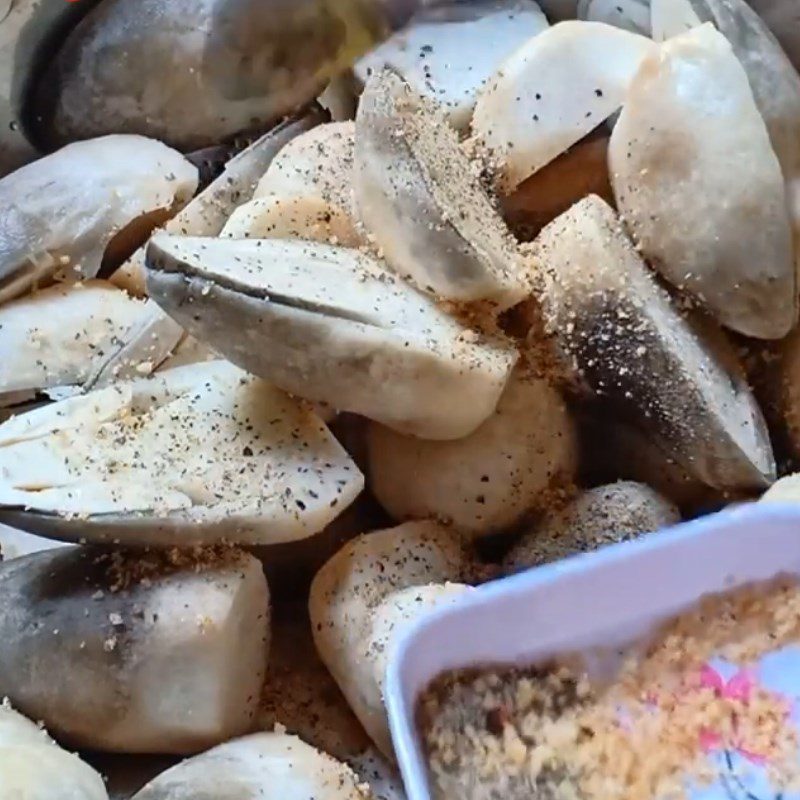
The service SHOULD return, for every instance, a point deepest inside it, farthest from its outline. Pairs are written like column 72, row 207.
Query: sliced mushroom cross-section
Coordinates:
column 197, row 454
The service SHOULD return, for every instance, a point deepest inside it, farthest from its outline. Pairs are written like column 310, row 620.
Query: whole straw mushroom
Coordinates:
column 595, row 518
column 694, row 175
column 135, row 653
column 488, row 481
column 364, row 596
column 34, row 767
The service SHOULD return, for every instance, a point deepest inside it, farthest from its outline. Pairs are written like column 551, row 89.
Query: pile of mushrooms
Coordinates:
column 525, row 285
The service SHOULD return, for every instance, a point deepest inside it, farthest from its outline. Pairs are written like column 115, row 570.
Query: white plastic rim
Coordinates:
column 538, row 614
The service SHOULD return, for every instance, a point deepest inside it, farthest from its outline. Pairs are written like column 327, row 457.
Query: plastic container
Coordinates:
column 609, row 597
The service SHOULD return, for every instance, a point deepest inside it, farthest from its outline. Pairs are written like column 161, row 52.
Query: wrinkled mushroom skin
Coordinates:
column 207, row 213
column 34, row 767
column 264, row 766
column 61, row 211
column 421, row 201
column 597, row 517
column 623, row 342
column 485, row 482
column 348, row 591
column 171, row 662
column 689, row 134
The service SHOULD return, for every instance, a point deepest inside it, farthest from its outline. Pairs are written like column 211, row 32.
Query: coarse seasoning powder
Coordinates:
column 646, row 734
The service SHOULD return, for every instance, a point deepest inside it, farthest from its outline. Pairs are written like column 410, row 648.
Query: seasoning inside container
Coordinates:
column 703, row 709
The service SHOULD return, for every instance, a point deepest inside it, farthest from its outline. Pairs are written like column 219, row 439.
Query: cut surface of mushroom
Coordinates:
column 331, row 324
column 140, row 653
column 207, row 213
column 625, row 343
column 485, row 482
column 65, row 334
column 597, row 517
column 34, row 767
column 552, row 92
column 422, row 203
column 61, row 211
column 198, row 454
column 352, row 593
column 695, row 175
column 448, row 52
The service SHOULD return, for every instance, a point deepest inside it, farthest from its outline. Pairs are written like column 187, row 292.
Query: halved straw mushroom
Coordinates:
column 207, row 213
column 449, row 51
column 773, row 79
column 486, row 482
column 597, row 517
column 199, row 454
column 552, row 92
column 62, row 211
column 695, row 175
column 355, row 610
column 135, row 653
column 264, row 766
column 331, row 324
column 626, row 344
column 422, row 203
column 34, row 767
column 69, row 334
